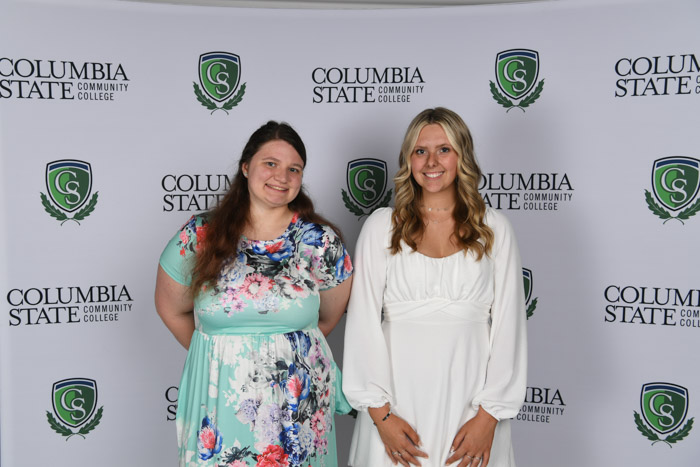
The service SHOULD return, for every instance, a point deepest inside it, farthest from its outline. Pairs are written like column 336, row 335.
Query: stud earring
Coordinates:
column 245, row 174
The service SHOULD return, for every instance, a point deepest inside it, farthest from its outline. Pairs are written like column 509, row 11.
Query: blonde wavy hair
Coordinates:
column 471, row 233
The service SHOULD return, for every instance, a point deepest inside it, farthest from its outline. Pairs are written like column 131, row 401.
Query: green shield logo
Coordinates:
column 74, row 400
column 527, row 280
column 664, row 406
column 219, row 74
column 517, row 71
column 676, row 181
column 69, row 183
column 366, row 180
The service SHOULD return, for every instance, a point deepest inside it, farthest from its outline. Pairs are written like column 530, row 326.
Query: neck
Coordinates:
column 440, row 200
column 267, row 223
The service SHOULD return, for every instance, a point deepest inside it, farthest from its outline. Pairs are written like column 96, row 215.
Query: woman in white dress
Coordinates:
column 435, row 342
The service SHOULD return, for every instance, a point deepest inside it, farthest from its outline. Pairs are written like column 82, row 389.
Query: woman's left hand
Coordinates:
column 472, row 445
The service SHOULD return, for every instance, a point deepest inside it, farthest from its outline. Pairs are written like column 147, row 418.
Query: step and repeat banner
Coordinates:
column 119, row 120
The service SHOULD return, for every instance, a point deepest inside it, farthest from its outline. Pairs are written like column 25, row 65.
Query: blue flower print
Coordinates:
column 301, row 342
column 312, row 234
column 292, row 446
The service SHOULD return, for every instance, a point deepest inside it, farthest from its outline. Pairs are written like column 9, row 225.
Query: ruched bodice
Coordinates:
column 435, row 338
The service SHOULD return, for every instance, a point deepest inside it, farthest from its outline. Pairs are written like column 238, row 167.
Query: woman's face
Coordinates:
column 434, row 160
column 274, row 174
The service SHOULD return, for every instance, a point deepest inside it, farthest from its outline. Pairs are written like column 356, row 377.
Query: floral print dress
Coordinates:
column 260, row 386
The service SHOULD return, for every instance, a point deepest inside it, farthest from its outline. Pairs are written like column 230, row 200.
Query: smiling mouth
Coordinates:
column 277, row 188
column 433, row 174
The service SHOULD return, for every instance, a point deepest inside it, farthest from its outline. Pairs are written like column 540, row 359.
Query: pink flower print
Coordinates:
column 201, row 235
column 184, row 238
column 255, row 286
column 238, row 464
column 182, row 252
column 273, row 456
column 294, row 386
column 347, row 264
column 318, row 423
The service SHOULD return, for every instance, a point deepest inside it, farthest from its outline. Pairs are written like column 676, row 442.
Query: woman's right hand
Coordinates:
column 400, row 439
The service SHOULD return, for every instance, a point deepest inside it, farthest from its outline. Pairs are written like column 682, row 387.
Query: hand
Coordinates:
column 400, row 440
column 472, row 445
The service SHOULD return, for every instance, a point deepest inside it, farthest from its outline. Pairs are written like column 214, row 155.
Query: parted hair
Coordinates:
column 228, row 219
column 471, row 233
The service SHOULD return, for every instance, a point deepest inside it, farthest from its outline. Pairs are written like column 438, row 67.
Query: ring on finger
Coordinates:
column 399, row 454
column 395, row 453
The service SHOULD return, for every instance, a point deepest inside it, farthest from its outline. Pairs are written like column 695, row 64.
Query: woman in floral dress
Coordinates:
column 251, row 289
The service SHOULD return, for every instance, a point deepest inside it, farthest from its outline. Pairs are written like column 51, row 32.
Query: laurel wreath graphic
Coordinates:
column 670, row 439
column 67, row 432
column 209, row 104
column 531, row 308
column 358, row 211
column 509, row 104
column 59, row 215
column 684, row 215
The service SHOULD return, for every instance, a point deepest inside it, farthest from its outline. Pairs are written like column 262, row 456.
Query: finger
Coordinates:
column 412, row 435
column 403, row 461
column 414, row 451
column 459, row 437
column 485, row 460
column 408, row 457
column 457, row 455
column 390, row 454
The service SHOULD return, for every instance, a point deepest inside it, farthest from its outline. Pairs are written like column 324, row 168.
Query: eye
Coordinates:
column 445, row 149
column 295, row 170
column 420, row 152
column 270, row 164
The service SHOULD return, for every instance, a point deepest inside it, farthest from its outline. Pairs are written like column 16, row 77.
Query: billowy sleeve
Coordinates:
column 506, row 374
column 366, row 365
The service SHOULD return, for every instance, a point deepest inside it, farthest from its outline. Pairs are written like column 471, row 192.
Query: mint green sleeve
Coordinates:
column 177, row 259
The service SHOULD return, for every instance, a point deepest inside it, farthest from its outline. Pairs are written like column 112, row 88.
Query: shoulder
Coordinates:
column 316, row 234
column 497, row 220
column 379, row 220
column 500, row 225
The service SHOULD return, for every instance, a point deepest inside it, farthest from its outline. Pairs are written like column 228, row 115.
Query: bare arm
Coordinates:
column 175, row 306
column 333, row 304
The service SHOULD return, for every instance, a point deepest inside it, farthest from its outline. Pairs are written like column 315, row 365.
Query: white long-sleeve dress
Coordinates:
column 436, row 338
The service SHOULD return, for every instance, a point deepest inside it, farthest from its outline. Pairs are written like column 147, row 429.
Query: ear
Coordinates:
column 244, row 168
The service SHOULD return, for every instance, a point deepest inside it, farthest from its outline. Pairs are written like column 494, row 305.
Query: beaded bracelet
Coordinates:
column 385, row 417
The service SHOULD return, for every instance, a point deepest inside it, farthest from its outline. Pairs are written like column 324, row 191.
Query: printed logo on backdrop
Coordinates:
column 346, row 85
column 517, row 71
column 68, row 305
column 542, row 405
column 527, row 282
column 74, row 402
column 526, row 191
column 69, row 184
column 193, row 192
column 367, row 180
column 664, row 408
column 171, row 398
column 652, row 306
column 675, row 182
column 219, row 76
column 31, row 78
column 667, row 75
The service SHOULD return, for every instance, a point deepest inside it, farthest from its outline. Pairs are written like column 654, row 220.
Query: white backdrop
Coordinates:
column 614, row 284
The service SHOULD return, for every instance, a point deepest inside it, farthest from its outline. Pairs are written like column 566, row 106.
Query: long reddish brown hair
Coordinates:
column 227, row 221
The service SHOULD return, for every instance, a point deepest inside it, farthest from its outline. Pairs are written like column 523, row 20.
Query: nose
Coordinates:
column 282, row 174
column 432, row 159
